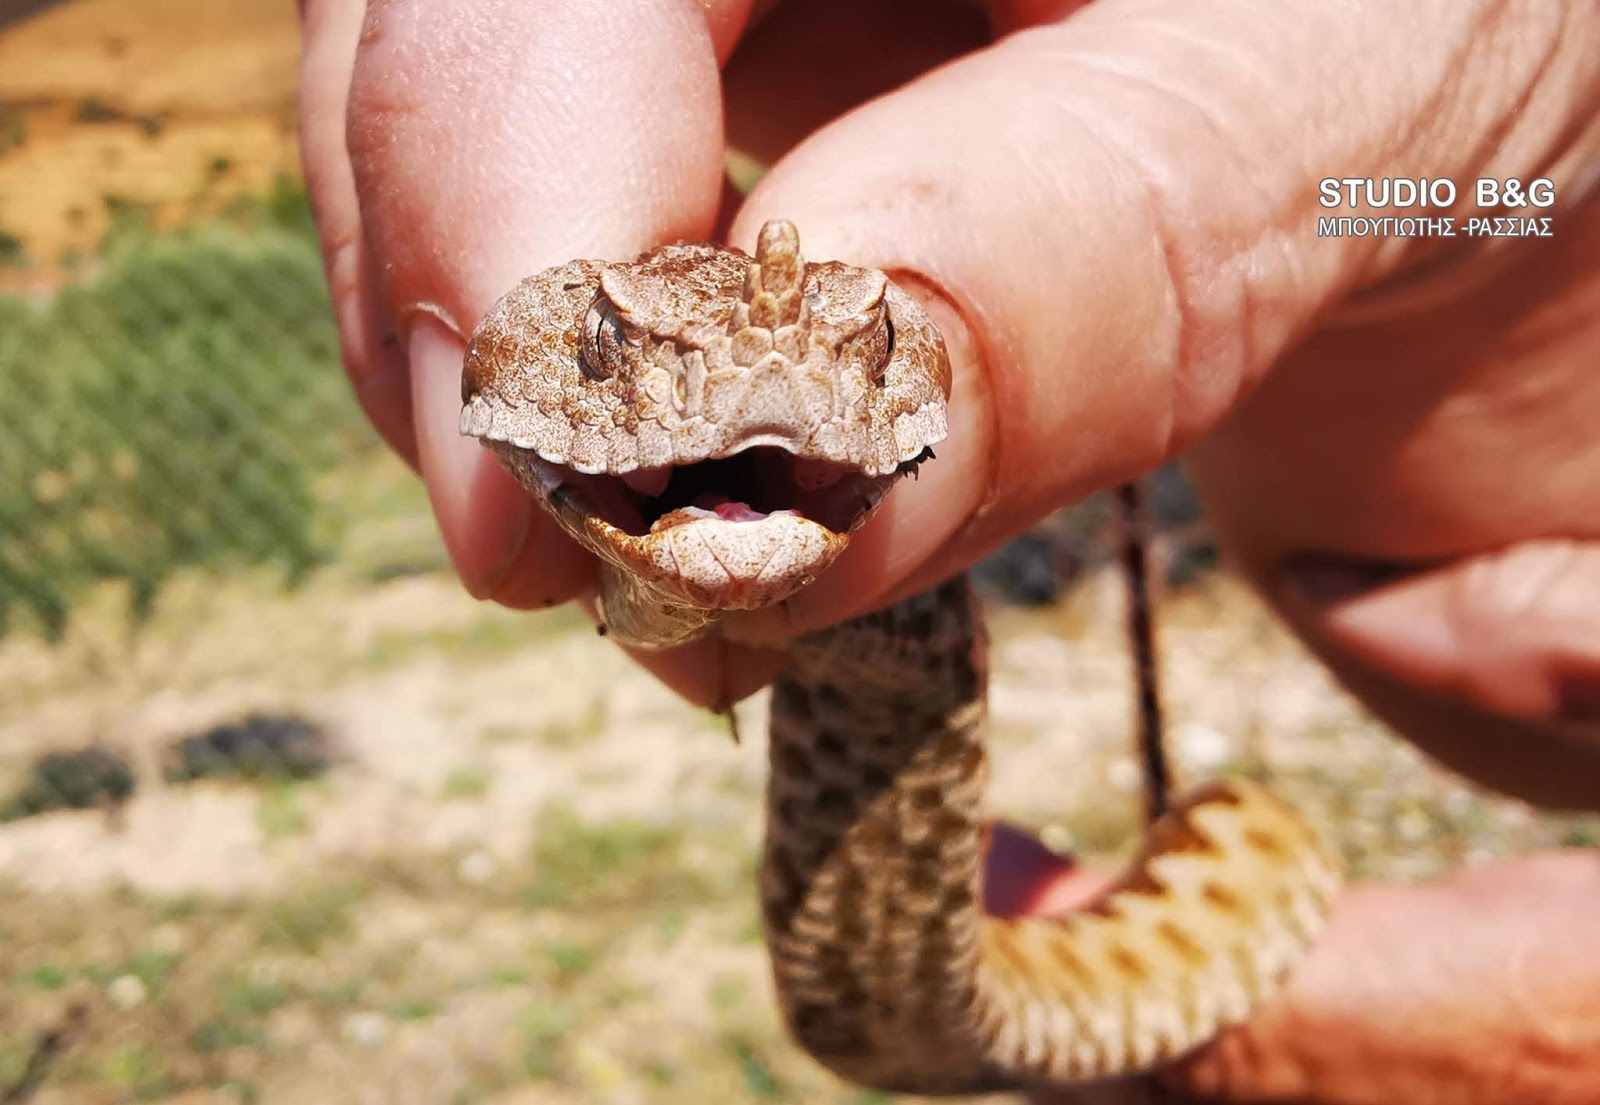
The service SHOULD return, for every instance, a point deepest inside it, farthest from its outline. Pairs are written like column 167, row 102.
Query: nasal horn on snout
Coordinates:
column 774, row 286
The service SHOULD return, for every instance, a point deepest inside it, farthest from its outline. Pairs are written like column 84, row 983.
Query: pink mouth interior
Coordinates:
column 748, row 487
column 727, row 510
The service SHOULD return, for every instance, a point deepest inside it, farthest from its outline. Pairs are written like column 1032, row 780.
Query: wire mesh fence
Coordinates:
column 173, row 413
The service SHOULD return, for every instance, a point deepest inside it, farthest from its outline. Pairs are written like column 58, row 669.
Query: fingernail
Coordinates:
column 1323, row 581
column 482, row 512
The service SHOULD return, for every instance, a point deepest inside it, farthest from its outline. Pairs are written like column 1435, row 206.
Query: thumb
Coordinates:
column 1116, row 214
column 1513, row 632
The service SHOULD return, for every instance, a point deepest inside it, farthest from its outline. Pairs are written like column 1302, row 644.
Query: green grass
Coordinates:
column 306, row 921
column 569, row 962
column 47, row 976
column 280, row 812
column 414, row 1010
column 544, row 1028
column 1582, row 836
column 140, row 1073
column 227, row 1033
column 255, row 998
column 15, row 1051
column 579, row 865
column 152, row 967
column 493, row 634
column 466, row 784
column 13, row 128
column 759, row 1079
column 564, row 735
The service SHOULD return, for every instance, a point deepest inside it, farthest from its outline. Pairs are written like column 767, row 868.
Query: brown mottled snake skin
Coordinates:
column 714, row 427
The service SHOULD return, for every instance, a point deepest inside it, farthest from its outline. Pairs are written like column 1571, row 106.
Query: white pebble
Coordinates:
column 477, row 868
column 1057, row 837
column 366, row 1029
column 1206, row 747
column 127, row 992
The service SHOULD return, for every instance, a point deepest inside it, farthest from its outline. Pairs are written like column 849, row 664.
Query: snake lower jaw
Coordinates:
column 693, row 544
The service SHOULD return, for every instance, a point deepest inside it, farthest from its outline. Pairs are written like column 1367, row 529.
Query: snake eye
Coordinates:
column 602, row 341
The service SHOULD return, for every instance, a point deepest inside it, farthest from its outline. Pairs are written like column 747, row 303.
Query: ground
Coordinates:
column 528, row 876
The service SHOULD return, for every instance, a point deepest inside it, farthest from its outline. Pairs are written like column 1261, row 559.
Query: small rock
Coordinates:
column 1058, row 838
column 367, row 1030
column 127, row 992
column 1206, row 747
column 477, row 868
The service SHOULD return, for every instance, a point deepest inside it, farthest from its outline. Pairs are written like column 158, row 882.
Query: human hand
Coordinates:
column 1113, row 217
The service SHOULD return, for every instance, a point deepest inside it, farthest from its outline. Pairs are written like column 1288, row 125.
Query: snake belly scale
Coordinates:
column 715, row 427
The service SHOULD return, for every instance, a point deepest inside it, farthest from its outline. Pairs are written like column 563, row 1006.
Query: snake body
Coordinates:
column 714, row 427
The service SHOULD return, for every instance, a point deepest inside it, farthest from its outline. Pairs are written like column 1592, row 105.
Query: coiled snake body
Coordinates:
column 715, row 427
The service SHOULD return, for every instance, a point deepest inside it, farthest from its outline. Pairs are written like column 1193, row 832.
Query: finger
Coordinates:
column 712, row 673
column 369, row 341
column 1515, row 633
column 1021, row 875
column 1119, row 213
column 1384, row 1009
column 867, row 48
column 491, row 139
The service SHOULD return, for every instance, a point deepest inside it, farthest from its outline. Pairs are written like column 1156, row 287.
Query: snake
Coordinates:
column 715, row 427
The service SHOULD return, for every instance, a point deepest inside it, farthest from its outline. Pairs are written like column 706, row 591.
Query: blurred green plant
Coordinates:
column 173, row 413
column 13, row 127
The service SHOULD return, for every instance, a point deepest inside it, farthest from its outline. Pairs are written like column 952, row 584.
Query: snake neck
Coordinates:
column 874, row 845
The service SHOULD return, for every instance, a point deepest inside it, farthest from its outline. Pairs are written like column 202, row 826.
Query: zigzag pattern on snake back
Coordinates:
column 715, row 427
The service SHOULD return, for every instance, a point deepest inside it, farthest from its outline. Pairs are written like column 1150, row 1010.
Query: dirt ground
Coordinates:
column 528, row 876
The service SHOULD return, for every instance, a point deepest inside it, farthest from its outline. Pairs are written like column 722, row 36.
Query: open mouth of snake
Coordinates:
column 748, row 487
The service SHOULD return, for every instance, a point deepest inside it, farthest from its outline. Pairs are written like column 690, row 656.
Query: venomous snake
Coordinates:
column 714, row 427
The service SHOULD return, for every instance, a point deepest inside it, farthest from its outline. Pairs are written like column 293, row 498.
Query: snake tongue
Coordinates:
column 719, row 507
column 729, row 510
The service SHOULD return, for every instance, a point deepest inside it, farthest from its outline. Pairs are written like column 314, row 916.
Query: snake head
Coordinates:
column 713, row 423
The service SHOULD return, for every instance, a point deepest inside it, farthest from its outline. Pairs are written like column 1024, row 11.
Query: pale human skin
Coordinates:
column 1113, row 218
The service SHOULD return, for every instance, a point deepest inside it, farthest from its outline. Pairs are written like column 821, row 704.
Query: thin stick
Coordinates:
column 1142, row 643
column 46, row 1050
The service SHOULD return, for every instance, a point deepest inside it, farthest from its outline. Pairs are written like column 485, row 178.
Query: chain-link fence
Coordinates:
column 286, row 818
column 173, row 413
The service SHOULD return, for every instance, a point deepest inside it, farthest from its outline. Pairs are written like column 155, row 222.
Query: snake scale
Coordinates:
column 714, row 427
